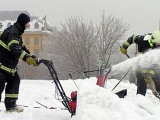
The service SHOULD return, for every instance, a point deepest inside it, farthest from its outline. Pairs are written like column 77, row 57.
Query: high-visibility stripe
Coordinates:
column 12, row 71
column 22, row 55
column 9, row 44
column 148, row 71
column 4, row 45
column 11, row 95
column 127, row 43
column 150, row 43
column 13, row 41
column 134, row 36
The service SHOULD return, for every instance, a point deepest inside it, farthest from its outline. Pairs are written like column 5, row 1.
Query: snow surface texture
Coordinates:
column 94, row 102
column 141, row 61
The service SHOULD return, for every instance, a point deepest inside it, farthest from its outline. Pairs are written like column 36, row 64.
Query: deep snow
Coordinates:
column 94, row 102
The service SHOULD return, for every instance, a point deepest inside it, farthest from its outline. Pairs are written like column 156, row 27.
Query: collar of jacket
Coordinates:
column 19, row 28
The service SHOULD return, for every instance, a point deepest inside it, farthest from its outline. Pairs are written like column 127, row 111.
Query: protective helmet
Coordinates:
column 156, row 36
column 146, row 37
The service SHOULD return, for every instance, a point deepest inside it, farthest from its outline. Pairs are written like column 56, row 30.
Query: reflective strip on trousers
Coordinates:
column 11, row 95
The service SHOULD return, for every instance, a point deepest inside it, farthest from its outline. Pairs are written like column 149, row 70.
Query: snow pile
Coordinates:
column 94, row 102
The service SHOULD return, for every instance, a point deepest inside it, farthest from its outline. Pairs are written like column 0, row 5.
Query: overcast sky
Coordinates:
column 142, row 15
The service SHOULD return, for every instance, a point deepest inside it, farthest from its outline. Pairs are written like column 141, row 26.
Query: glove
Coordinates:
column 148, row 79
column 32, row 61
column 33, row 56
column 123, row 50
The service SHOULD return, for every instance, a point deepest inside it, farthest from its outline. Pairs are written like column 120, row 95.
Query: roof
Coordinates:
column 8, row 18
column 12, row 15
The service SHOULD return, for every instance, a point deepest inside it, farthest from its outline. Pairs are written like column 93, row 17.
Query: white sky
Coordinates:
column 142, row 15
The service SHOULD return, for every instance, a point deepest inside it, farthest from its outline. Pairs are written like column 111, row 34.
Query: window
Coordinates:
column 27, row 41
column 1, row 25
column 36, row 25
column 9, row 24
column 36, row 41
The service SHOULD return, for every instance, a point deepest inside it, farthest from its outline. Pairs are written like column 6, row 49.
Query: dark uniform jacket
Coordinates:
column 12, row 48
column 143, row 45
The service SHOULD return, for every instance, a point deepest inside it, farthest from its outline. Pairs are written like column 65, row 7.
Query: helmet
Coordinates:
column 156, row 36
column 146, row 37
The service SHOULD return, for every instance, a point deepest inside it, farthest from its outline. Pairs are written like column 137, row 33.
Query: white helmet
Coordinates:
column 146, row 37
column 156, row 36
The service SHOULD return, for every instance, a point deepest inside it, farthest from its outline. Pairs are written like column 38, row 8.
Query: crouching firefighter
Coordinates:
column 149, row 75
column 11, row 50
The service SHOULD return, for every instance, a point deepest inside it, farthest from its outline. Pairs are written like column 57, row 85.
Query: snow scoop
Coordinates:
column 64, row 99
column 102, row 77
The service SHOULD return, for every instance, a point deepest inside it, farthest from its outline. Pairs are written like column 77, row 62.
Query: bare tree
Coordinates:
column 111, row 31
column 75, row 43
column 78, row 45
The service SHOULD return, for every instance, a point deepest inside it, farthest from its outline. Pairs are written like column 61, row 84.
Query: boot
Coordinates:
column 11, row 106
column 15, row 109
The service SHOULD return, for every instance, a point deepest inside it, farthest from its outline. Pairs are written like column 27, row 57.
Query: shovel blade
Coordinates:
column 122, row 93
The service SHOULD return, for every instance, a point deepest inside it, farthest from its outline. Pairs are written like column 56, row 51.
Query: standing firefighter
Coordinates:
column 11, row 50
column 150, row 75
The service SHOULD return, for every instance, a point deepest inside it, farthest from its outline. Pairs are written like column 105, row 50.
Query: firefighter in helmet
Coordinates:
column 150, row 75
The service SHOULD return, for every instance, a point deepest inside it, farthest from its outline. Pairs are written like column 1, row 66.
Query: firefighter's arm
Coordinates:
column 23, row 46
column 16, row 49
column 21, row 54
column 125, row 46
column 26, row 50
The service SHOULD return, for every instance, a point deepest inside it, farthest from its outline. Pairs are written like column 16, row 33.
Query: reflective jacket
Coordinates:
column 143, row 45
column 12, row 48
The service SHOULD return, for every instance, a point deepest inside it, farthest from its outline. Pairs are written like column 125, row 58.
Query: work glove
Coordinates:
column 148, row 79
column 123, row 50
column 32, row 61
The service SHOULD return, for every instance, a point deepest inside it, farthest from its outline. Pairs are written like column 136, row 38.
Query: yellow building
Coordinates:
column 33, row 41
column 34, row 36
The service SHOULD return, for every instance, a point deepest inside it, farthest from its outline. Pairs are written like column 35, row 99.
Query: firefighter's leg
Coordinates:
column 156, row 79
column 141, row 84
column 154, row 88
column 2, row 83
column 12, row 90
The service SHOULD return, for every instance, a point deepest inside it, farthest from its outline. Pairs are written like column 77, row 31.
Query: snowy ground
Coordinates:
column 94, row 103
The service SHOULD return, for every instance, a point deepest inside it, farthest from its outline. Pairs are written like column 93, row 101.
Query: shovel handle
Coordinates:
column 127, row 55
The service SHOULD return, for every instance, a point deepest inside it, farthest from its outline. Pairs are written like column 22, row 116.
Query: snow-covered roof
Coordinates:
column 8, row 18
column 12, row 15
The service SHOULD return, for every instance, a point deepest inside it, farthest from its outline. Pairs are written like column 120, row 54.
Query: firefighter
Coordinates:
column 150, row 75
column 11, row 50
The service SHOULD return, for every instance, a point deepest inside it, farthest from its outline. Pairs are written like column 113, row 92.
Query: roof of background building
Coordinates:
column 12, row 15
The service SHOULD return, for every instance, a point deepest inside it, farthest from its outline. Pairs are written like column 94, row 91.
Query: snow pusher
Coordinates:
column 62, row 97
column 71, row 103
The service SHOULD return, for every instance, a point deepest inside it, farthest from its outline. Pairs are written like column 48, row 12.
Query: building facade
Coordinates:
column 33, row 37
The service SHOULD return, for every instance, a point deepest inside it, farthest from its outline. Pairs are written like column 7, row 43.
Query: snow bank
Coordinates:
column 94, row 102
